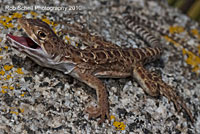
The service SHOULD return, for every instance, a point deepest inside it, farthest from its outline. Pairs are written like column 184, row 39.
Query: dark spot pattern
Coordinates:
column 148, row 52
column 142, row 53
column 110, row 54
column 149, row 76
column 135, row 54
column 101, row 55
column 116, row 53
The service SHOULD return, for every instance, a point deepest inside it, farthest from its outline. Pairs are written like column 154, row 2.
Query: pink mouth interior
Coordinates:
column 26, row 41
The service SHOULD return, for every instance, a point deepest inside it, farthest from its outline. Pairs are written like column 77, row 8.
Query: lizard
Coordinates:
column 104, row 60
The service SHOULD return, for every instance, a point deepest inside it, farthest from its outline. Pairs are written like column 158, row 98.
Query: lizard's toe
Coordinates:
column 95, row 112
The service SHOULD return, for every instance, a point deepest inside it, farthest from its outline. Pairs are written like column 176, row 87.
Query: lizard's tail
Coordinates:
column 168, row 92
column 132, row 23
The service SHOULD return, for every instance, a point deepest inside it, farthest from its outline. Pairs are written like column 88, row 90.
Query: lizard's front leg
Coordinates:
column 102, row 109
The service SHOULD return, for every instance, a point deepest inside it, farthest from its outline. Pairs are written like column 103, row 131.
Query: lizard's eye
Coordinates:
column 41, row 34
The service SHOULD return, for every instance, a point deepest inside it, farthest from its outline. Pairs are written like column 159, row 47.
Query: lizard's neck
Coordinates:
column 70, row 52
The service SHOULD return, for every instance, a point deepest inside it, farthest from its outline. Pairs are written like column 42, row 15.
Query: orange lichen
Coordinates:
column 172, row 41
column 10, row 25
column 8, row 77
column 14, row 112
column 176, row 29
column 19, row 71
column 191, row 59
column 11, row 87
column 16, row 15
column 118, row 125
column 44, row 18
column 23, row 94
column 2, row 72
column 4, row 87
column 53, row 24
column 196, row 33
column 6, row 47
column 4, row 20
column 3, row 91
column 21, row 110
column 47, row 20
column 34, row 14
column 8, row 67
column 68, row 40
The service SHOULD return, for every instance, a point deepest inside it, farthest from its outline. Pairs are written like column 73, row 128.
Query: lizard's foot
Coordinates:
column 95, row 112
column 102, row 109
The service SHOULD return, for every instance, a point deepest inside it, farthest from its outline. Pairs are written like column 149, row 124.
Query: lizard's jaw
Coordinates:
column 22, row 42
column 29, row 47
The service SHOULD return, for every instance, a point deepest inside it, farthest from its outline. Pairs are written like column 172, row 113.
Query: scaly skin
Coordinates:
column 103, row 60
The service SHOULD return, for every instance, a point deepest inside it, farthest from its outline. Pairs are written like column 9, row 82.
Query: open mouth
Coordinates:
column 24, row 41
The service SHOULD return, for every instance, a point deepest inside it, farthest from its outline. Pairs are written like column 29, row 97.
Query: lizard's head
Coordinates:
column 42, row 44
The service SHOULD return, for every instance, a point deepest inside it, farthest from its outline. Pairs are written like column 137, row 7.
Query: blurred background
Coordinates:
column 189, row 7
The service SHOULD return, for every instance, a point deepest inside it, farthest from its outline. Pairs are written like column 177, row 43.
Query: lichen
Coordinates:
column 2, row 72
column 176, row 29
column 196, row 33
column 116, row 124
column 23, row 94
column 8, row 67
column 192, row 59
column 19, row 71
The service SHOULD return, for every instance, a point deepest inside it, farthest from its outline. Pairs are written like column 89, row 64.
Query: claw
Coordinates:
column 95, row 112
